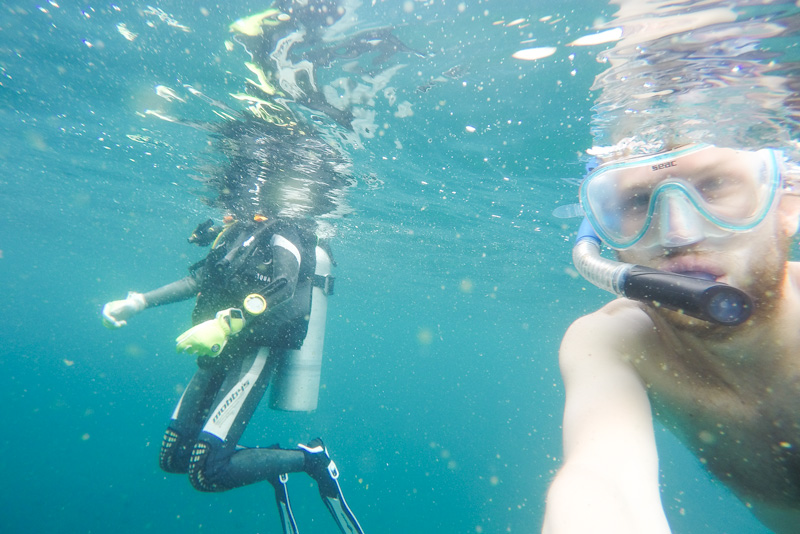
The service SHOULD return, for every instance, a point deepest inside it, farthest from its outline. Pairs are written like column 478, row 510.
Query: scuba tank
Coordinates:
column 295, row 385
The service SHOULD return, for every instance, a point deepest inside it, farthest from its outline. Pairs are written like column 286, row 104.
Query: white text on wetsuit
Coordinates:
column 232, row 397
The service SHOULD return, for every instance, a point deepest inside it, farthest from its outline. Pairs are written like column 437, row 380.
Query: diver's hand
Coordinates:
column 117, row 312
column 210, row 337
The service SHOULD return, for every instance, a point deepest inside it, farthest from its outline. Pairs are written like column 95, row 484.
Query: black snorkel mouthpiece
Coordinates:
column 708, row 300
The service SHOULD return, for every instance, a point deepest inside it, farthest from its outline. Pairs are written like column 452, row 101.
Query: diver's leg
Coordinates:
column 216, row 463
column 319, row 465
column 189, row 415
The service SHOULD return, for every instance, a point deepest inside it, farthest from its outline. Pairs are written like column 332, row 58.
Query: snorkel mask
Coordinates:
column 674, row 199
column 689, row 193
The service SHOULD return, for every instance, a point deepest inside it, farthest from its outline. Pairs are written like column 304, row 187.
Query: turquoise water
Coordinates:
column 441, row 398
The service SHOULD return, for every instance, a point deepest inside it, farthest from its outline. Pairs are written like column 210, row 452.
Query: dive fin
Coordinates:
column 284, row 506
column 324, row 471
column 338, row 508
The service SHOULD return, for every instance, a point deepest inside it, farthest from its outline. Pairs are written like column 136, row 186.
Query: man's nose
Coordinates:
column 679, row 223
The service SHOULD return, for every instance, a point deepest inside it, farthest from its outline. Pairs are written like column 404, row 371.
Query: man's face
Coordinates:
column 711, row 213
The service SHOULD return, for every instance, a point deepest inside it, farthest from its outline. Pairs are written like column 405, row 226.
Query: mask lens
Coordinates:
column 737, row 190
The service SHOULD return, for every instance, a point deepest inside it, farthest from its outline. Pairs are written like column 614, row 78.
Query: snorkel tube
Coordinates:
column 704, row 299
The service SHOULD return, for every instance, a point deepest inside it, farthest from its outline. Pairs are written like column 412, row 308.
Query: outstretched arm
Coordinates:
column 116, row 313
column 183, row 289
column 609, row 480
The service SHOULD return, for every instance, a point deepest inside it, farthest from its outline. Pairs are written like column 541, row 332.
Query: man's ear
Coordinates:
column 789, row 212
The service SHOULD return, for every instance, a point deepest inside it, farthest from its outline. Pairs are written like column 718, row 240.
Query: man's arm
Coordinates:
column 180, row 290
column 609, row 479
column 116, row 313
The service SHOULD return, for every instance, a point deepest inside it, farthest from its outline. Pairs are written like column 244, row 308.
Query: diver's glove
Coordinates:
column 117, row 312
column 210, row 337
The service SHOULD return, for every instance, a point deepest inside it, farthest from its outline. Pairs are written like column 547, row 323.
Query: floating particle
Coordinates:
column 608, row 36
column 424, row 336
column 166, row 17
column 125, row 32
column 568, row 211
column 532, row 54
column 253, row 24
column 167, row 94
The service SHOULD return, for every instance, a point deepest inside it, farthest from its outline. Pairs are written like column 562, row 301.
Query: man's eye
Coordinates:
column 637, row 202
column 716, row 188
column 712, row 182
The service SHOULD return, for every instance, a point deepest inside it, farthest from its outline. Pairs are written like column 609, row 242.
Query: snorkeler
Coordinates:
column 259, row 318
column 709, row 346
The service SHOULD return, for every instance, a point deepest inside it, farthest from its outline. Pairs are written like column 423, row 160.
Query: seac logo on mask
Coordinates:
column 664, row 165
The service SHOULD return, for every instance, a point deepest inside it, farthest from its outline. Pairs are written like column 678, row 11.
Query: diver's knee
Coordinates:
column 168, row 457
column 198, row 474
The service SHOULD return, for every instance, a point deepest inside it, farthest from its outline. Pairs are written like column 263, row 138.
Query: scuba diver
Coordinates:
column 261, row 292
column 259, row 318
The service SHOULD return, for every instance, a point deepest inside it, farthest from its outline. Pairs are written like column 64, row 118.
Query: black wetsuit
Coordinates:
column 275, row 259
